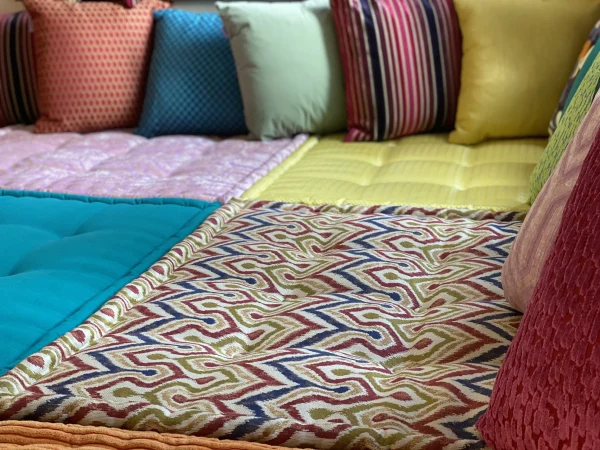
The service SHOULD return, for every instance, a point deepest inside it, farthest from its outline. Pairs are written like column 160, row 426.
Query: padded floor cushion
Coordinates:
column 121, row 164
column 423, row 171
column 292, row 326
column 64, row 256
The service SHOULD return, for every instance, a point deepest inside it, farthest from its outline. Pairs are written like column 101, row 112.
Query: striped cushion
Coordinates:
column 18, row 93
column 402, row 65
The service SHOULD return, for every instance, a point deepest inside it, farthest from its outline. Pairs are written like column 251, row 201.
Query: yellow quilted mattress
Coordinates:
column 424, row 171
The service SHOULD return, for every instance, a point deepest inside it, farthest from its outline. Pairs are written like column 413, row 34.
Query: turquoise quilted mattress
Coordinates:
column 64, row 256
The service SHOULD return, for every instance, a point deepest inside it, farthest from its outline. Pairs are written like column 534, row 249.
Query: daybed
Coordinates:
column 294, row 286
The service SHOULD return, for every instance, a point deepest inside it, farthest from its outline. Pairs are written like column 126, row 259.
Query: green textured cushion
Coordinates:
column 576, row 111
column 288, row 65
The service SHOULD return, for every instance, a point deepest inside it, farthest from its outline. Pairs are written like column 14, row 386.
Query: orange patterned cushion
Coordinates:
column 92, row 60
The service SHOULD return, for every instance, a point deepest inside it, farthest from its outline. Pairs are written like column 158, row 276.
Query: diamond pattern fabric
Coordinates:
column 192, row 85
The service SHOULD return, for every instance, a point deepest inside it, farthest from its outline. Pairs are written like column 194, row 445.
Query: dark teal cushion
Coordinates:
column 192, row 84
column 64, row 256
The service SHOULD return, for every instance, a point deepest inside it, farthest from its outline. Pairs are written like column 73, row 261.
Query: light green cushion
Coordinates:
column 572, row 118
column 288, row 65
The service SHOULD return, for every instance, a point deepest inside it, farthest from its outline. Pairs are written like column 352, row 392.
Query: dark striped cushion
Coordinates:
column 402, row 65
column 18, row 92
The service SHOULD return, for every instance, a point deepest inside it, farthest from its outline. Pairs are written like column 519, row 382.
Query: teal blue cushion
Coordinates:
column 192, row 85
column 64, row 256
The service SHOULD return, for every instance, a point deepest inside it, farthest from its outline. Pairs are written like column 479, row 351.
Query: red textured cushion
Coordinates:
column 547, row 394
column 401, row 62
column 92, row 61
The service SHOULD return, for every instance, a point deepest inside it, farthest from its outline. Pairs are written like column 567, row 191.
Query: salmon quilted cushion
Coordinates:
column 92, row 60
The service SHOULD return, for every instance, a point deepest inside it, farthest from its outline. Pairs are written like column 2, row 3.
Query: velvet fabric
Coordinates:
column 547, row 394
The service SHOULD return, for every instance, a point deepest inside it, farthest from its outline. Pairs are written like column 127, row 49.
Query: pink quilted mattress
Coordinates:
column 120, row 164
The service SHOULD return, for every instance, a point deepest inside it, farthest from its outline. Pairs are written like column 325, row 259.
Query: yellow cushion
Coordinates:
column 517, row 56
column 422, row 170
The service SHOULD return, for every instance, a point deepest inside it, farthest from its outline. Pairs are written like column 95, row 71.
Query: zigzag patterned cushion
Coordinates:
column 18, row 87
column 300, row 327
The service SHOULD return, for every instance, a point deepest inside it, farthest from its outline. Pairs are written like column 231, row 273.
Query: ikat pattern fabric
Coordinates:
column 291, row 326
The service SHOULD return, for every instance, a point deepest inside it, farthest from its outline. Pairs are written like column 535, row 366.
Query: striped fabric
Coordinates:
column 18, row 91
column 402, row 65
